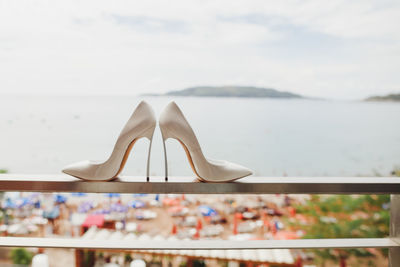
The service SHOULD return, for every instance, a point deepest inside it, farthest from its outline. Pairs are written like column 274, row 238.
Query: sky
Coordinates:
column 332, row 49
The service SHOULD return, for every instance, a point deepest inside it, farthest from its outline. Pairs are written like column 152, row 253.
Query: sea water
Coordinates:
column 274, row 137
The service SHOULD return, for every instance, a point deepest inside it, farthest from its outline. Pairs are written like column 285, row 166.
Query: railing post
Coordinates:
column 394, row 253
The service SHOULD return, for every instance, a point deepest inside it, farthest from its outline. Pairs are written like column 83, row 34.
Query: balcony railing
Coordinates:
column 187, row 185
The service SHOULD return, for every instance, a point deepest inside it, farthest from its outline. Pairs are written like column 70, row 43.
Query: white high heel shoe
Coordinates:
column 174, row 125
column 141, row 124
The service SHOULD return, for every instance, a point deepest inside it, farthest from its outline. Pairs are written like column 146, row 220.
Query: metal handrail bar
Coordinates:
column 189, row 185
column 81, row 243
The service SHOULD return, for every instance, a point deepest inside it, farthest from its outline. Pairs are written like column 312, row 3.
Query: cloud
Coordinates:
column 151, row 25
column 331, row 48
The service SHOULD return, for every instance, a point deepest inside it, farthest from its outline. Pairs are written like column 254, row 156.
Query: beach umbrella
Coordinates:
column 9, row 204
column 139, row 195
column 131, row 227
column 178, row 211
column 137, row 204
column 54, row 213
column 37, row 204
column 145, row 215
column 94, row 220
column 85, row 207
column 207, row 211
column 117, row 207
column 101, row 211
column 60, row 199
column 111, row 195
column 34, row 200
column 78, row 194
column 21, row 202
column 138, row 263
column 40, row 260
column 171, row 201
column 175, row 209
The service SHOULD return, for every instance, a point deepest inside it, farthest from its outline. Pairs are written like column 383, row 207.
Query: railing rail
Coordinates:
column 188, row 185
column 197, row 244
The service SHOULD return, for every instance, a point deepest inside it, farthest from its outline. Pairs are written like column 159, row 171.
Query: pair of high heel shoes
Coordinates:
column 142, row 124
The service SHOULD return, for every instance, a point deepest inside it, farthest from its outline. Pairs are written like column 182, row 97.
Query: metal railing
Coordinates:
column 188, row 185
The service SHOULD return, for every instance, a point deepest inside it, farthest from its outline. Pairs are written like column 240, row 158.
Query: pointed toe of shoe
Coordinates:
column 79, row 169
column 239, row 171
column 225, row 171
column 67, row 170
column 246, row 172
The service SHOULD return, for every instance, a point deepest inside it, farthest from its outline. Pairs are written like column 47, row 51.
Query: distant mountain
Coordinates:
column 233, row 91
column 391, row 97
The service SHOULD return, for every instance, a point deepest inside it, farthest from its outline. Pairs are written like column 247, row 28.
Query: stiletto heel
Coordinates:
column 148, row 162
column 140, row 125
column 150, row 137
column 173, row 124
column 165, row 158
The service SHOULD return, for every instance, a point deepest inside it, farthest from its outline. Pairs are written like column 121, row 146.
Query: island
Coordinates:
column 390, row 97
column 231, row 91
